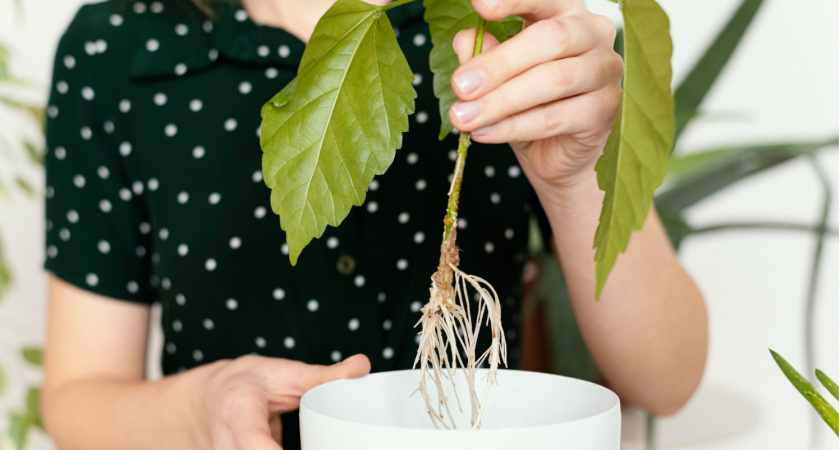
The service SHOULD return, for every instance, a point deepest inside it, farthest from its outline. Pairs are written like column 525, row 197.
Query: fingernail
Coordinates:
column 466, row 111
column 492, row 4
column 483, row 131
column 348, row 359
column 468, row 80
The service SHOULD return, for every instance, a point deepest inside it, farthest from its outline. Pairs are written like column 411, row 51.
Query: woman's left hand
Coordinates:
column 552, row 91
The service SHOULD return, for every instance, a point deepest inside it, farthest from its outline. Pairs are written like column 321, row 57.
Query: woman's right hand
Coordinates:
column 238, row 402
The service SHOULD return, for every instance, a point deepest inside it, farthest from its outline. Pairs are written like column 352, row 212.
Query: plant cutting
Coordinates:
column 340, row 121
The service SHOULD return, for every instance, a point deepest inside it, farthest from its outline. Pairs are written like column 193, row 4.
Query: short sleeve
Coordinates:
column 96, row 217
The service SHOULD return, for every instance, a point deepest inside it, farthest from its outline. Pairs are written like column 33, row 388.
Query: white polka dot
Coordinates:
column 197, row 355
column 170, row 348
column 125, row 106
column 155, row 258
column 60, row 153
column 183, row 197
column 419, row 39
column 372, row 207
column 214, row 198
column 177, row 325
column 284, row 249
column 386, row 325
column 153, row 184
column 230, row 124
column 180, row 299
column 183, row 249
column 144, row 228
column 359, row 281
column 108, row 126
column 213, row 54
column 116, row 20
column 50, row 194
column 105, row 206
column 245, row 87
column 402, row 264
column 411, row 158
column 157, row 7
column 514, row 171
column 396, row 31
column 312, row 305
column 160, row 99
column 260, row 341
column 403, row 217
column 198, row 152
column 181, row 29
column 132, row 287
column 125, row 148
column 388, row 353
column 137, row 187
column 72, row 216
column 86, row 133
column 380, row 297
column 283, row 51
column 415, row 306
column 163, row 234
column 101, row 46
column 419, row 237
column 231, row 304
column 420, row 184
column 92, row 279
column 374, row 185
column 69, row 62
column 90, row 48
column 210, row 265
column 235, row 242
column 278, row 294
column 64, row 234
column 422, row 117
column 263, row 50
column 170, row 130
column 418, row 78
column 332, row 242
column 104, row 247
column 495, row 198
column 353, row 324
column 462, row 223
column 289, row 342
column 335, row 356
column 166, row 284
column 140, row 251
column 257, row 176
column 207, row 26
column 241, row 15
column 52, row 112
column 125, row 194
column 489, row 247
column 489, row 171
column 196, row 105
column 271, row 73
column 62, row 87
column 79, row 181
column 509, row 233
column 453, row 155
column 152, row 45
column 259, row 212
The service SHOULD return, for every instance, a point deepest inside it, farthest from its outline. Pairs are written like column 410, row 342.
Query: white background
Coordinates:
column 782, row 85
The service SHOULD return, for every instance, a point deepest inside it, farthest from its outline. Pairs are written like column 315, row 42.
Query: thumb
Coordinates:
column 352, row 367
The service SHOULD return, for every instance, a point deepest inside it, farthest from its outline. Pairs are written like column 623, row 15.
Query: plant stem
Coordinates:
column 463, row 144
column 769, row 226
column 396, row 4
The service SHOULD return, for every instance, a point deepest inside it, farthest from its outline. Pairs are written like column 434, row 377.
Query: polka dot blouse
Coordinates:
column 155, row 194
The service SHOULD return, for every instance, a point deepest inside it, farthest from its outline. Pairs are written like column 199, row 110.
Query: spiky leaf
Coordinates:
column 826, row 411
column 827, row 382
column 446, row 18
column 340, row 126
column 635, row 158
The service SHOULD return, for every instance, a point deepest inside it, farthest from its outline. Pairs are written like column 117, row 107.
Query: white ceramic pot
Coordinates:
column 527, row 410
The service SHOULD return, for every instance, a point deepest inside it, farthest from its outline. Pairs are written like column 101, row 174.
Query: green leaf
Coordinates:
column 35, row 154
column 24, row 186
column 446, row 18
column 826, row 411
column 5, row 274
column 339, row 125
column 18, row 430
column 696, row 176
column 827, row 382
column 33, row 407
column 635, row 158
column 4, row 380
column 33, row 355
column 693, row 89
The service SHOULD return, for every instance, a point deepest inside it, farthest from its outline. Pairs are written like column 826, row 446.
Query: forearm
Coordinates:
column 648, row 333
column 95, row 413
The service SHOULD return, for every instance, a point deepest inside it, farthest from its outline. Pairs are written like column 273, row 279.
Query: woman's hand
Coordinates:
column 552, row 91
column 238, row 402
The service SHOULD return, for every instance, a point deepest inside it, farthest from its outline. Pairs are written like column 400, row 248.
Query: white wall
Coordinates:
column 782, row 85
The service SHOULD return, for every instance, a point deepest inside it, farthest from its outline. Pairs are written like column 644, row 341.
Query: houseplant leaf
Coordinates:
column 826, row 411
column 693, row 89
column 827, row 382
column 446, row 18
column 340, row 124
column 33, row 355
column 635, row 158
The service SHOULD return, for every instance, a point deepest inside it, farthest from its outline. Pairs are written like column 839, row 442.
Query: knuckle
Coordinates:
column 605, row 26
column 232, row 401
column 617, row 63
column 552, row 118
column 560, row 77
column 554, row 32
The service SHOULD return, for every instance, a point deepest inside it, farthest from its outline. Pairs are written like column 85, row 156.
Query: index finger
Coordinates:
column 530, row 10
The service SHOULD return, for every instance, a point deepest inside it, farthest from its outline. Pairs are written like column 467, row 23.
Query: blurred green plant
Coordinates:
column 22, row 423
column 823, row 408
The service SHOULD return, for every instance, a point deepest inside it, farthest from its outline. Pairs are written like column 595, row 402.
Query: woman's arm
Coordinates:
column 95, row 396
column 552, row 92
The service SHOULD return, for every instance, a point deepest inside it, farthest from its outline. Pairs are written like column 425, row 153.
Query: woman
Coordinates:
column 155, row 194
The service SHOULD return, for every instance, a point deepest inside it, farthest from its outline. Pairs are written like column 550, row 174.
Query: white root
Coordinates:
column 448, row 341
